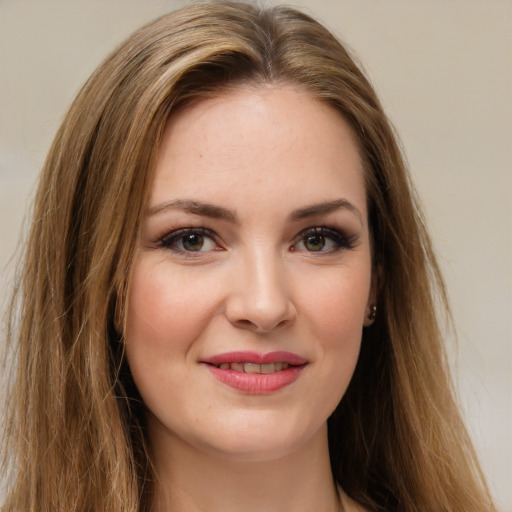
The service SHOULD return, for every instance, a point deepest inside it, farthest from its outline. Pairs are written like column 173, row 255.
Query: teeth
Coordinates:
column 268, row 368
column 254, row 367
column 238, row 367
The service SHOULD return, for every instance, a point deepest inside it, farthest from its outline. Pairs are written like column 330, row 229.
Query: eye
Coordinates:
column 189, row 240
column 322, row 239
column 315, row 242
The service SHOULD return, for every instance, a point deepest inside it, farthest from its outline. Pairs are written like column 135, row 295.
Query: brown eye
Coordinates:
column 314, row 242
column 189, row 240
column 322, row 239
column 192, row 242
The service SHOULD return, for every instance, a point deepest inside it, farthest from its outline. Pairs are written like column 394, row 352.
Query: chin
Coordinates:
column 265, row 439
column 252, row 450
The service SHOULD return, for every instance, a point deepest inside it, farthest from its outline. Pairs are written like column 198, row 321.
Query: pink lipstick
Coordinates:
column 254, row 373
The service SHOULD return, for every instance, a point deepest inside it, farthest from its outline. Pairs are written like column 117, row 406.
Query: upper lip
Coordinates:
column 256, row 358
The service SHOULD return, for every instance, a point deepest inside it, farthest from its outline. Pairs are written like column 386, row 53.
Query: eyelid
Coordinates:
column 342, row 240
column 166, row 241
column 338, row 237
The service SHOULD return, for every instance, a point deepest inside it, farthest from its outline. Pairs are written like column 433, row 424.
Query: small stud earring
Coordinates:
column 373, row 313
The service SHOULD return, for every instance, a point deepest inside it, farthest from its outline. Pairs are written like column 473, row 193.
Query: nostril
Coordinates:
column 261, row 327
column 245, row 324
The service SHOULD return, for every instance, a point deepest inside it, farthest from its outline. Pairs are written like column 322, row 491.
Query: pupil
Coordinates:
column 315, row 242
column 193, row 242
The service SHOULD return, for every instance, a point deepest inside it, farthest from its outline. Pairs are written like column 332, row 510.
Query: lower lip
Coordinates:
column 257, row 383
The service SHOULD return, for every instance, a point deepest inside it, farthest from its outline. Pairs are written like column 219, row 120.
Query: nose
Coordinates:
column 260, row 297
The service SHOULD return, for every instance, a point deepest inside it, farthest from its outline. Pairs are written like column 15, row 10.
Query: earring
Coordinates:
column 373, row 313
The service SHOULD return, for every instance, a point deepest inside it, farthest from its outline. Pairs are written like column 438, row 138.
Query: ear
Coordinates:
column 371, row 306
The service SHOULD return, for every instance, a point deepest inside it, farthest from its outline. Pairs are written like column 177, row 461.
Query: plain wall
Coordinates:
column 443, row 69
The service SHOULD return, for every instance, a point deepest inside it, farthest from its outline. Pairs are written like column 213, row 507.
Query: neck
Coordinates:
column 190, row 479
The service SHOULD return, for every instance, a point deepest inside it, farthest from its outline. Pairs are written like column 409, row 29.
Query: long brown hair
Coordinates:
column 75, row 429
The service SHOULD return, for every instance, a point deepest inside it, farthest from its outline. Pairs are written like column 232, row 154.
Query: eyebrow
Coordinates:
column 196, row 207
column 324, row 208
column 218, row 212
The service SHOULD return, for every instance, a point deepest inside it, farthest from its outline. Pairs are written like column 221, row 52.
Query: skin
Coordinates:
column 254, row 284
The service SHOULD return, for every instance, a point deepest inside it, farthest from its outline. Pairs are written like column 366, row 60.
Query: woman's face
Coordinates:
column 254, row 276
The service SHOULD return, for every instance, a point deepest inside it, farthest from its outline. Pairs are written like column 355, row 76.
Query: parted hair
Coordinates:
column 75, row 427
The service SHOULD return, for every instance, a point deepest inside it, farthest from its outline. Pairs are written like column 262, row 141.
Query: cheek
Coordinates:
column 336, row 305
column 167, row 311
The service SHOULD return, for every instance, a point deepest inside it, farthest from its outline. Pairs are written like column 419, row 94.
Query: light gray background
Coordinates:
column 443, row 69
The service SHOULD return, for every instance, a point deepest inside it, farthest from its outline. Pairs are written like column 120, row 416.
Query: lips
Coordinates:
column 256, row 358
column 254, row 373
column 254, row 367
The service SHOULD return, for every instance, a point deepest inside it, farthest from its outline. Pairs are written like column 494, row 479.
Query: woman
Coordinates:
column 222, row 214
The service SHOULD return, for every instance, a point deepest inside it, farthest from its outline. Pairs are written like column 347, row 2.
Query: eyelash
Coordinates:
column 170, row 240
column 340, row 240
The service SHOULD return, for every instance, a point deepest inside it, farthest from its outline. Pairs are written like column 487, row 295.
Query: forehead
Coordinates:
column 261, row 142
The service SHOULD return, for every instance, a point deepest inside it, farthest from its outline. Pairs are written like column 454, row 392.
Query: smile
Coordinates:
column 254, row 367
column 256, row 374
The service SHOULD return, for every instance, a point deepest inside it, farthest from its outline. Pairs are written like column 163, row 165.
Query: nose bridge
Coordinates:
column 261, row 300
